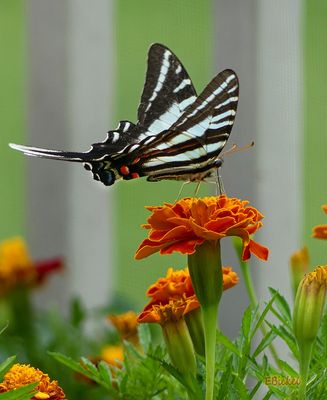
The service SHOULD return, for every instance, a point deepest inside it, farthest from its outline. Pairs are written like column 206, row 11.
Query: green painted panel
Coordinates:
column 12, row 109
column 315, row 132
column 185, row 26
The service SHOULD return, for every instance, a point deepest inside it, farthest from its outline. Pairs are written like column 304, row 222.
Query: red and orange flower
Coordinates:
column 182, row 226
column 320, row 231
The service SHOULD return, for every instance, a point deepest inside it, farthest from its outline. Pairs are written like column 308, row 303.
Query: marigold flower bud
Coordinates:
column 309, row 304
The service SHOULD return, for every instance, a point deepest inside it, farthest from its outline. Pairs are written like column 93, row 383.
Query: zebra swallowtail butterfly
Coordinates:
column 178, row 136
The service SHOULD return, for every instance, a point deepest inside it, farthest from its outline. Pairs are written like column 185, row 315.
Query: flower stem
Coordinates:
column 305, row 358
column 210, row 324
column 248, row 283
column 207, row 279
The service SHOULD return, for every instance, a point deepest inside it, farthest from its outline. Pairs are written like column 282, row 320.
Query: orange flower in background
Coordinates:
column 126, row 325
column 182, row 226
column 21, row 375
column 173, row 296
column 320, row 231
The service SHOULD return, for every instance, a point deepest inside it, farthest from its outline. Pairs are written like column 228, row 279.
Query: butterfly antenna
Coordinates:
column 236, row 149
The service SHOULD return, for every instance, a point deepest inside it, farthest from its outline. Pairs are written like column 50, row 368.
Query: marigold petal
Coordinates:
column 184, row 247
column 146, row 248
column 165, row 236
column 204, row 232
column 257, row 249
column 160, row 218
column 324, row 207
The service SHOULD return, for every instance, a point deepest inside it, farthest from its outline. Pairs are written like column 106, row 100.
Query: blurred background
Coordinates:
column 71, row 69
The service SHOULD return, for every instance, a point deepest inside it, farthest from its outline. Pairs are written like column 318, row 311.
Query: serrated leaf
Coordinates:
column 225, row 380
column 246, row 322
column 86, row 363
column 265, row 342
column 23, row 393
column 287, row 368
column 282, row 305
column 221, row 338
column 6, row 365
column 105, row 373
column 262, row 316
column 241, row 388
column 287, row 338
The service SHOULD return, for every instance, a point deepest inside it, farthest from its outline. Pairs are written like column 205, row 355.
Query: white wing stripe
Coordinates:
column 161, row 79
column 182, row 85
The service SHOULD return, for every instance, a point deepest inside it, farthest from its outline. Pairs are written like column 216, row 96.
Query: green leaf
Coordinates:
column 282, row 305
column 86, row 363
column 241, row 388
column 265, row 342
column 287, row 368
column 144, row 336
column 262, row 316
column 221, row 338
column 105, row 373
column 23, row 393
column 6, row 365
column 255, row 389
column 246, row 322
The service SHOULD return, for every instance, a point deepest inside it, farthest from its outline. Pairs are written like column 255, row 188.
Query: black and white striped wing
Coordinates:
column 195, row 140
column 167, row 92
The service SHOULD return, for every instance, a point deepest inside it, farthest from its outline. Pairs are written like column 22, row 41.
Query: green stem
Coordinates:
column 248, row 283
column 210, row 324
column 305, row 358
column 251, row 292
column 207, row 277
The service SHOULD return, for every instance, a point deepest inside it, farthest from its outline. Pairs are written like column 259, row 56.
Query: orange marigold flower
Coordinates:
column 182, row 226
column 126, row 323
column 178, row 283
column 173, row 296
column 21, row 375
column 320, row 231
column 173, row 310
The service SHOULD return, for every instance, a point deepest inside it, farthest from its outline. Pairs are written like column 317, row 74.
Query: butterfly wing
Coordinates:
column 191, row 146
column 167, row 92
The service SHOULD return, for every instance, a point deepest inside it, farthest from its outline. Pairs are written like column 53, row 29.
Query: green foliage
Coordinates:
column 245, row 368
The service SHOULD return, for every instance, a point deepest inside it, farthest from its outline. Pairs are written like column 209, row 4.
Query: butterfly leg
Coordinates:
column 220, row 185
column 197, row 188
column 181, row 189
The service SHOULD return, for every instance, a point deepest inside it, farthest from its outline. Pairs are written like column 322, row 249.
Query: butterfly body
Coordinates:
column 179, row 135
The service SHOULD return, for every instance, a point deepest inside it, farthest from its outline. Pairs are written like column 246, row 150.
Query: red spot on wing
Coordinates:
column 135, row 175
column 124, row 170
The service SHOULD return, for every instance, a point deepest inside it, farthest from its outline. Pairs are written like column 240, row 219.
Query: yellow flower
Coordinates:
column 18, row 269
column 21, row 375
column 113, row 355
column 16, row 266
